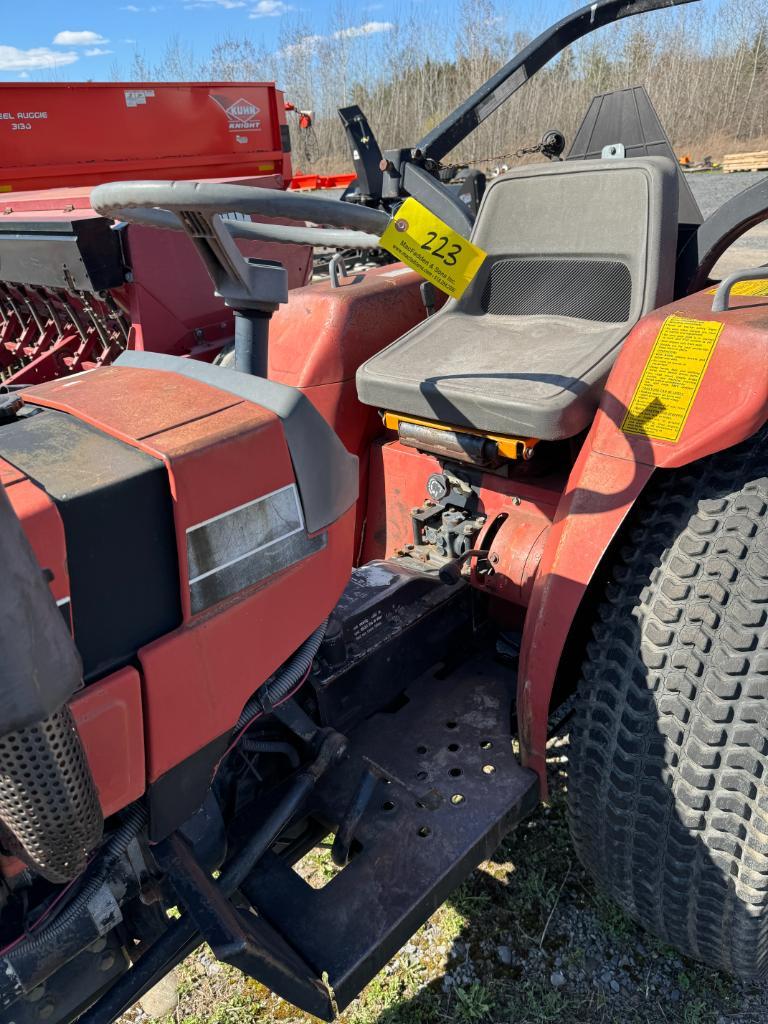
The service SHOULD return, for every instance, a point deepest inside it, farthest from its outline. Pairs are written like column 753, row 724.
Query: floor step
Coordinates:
column 447, row 788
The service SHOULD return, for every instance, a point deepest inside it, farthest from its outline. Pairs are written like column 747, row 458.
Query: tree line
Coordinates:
column 705, row 69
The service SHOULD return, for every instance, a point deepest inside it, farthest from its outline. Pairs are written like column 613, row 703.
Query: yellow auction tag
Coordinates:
column 671, row 378
column 422, row 241
column 758, row 287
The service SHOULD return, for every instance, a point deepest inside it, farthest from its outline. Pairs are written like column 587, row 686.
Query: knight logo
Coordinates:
column 242, row 114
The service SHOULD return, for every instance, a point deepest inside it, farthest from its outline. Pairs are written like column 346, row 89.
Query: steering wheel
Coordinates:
column 181, row 205
column 252, row 288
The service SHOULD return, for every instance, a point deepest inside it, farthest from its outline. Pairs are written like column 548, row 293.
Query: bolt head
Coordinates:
column 107, row 962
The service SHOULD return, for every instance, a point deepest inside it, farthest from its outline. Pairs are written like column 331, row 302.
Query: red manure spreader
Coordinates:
column 336, row 583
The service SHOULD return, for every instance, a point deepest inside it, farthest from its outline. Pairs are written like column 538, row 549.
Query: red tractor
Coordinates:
column 248, row 607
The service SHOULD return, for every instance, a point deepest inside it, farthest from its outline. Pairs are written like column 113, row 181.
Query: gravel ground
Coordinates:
column 711, row 190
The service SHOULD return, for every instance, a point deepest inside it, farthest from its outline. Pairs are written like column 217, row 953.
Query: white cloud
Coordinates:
column 308, row 45
column 132, row 8
column 39, row 57
column 228, row 5
column 370, row 28
column 305, row 47
column 270, row 9
column 68, row 38
column 23, row 74
column 98, row 51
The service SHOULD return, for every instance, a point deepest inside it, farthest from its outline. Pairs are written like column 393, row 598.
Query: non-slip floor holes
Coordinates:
column 454, row 747
column 425, row 831
column 455, row 772
column 489, row 769
column 485, row 744
column 451, row 725
column 388, row 805
column 457, row 798
column 421, row 749
column 422, row 776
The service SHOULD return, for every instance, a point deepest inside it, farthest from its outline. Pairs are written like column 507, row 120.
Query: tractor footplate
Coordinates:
column 427, row 793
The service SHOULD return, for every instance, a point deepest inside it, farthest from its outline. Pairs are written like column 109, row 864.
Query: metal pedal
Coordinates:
column 448, row 789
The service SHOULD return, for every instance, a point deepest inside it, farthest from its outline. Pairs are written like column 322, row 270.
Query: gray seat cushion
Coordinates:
column 578, row 252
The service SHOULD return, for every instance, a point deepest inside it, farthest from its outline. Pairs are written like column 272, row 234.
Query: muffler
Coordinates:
column 50, row 816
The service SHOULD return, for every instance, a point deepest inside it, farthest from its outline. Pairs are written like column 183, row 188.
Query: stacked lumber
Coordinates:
column 745, row 162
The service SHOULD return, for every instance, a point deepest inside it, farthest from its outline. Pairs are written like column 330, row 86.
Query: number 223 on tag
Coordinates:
column 422, row 241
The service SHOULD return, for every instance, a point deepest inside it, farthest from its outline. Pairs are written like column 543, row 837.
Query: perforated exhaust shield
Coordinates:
column 49, row 809
column 50, row 815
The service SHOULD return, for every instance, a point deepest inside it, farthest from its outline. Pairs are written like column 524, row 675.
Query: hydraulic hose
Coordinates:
column 291, row 673
column 36, row 957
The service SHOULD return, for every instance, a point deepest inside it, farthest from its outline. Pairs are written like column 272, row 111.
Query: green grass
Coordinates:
column 473, row 1003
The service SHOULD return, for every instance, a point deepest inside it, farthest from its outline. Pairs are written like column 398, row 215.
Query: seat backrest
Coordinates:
column 593, row 240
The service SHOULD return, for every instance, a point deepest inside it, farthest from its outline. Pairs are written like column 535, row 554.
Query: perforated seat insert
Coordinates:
column 557, row 286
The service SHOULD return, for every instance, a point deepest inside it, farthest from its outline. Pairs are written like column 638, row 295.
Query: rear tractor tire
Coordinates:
column 668, row 775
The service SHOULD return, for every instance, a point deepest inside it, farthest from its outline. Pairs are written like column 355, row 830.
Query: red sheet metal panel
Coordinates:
column 109, row 719
column 84, row 133
column 614, row 467
column 398, row 484
column 198, row 678
column 43, row 528
column 346, row 325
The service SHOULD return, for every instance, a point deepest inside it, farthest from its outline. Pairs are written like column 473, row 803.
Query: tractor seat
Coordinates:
column 577, row 253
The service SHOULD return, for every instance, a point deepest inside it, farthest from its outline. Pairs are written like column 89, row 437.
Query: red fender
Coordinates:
column 611, row 471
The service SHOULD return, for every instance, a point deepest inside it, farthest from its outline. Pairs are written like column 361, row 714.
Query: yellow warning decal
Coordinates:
column 758, row 287
column 671, row 378
column 6, row 188
column 422, row 241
